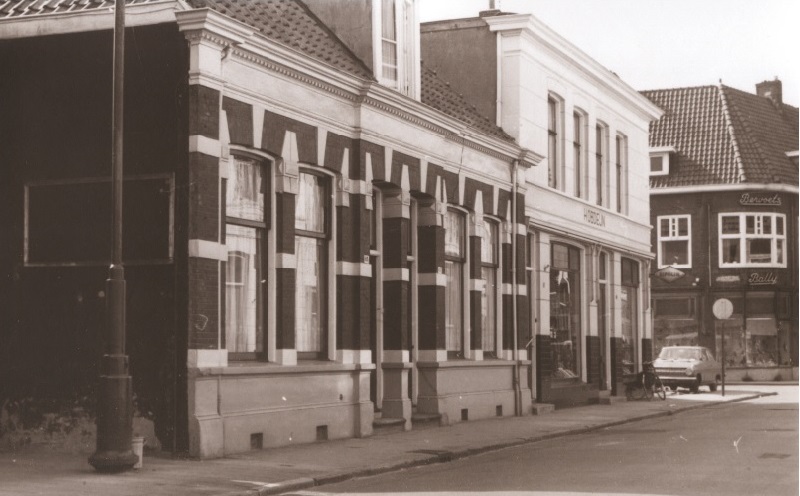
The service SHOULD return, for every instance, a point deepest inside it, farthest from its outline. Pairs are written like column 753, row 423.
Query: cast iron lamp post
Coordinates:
column 114, row 398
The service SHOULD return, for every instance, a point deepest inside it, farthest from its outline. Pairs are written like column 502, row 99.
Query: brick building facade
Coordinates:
column 724, row 210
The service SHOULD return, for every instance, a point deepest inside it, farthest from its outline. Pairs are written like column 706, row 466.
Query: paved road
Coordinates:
column 748, row 448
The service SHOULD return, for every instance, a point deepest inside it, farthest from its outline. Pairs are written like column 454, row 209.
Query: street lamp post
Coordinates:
column 114, row 394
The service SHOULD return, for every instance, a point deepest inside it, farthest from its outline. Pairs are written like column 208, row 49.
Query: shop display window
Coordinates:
column 565, row 311
column 675, row 323
column 763, row 342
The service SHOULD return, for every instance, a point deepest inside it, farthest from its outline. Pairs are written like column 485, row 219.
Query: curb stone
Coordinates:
column 448, row 456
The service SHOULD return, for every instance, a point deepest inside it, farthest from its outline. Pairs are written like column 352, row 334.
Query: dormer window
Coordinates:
column 396, row 42
column 659, row 160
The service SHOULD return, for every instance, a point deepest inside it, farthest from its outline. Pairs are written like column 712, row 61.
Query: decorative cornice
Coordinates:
column 717, row 188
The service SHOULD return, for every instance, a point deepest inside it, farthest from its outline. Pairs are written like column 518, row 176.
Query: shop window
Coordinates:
column 675, row 322
column 68, row 222
column 674, row 241
column 758, row 337
column 312, row 230
column 455, row 260
column 245, row 228
column 752, row 240
column 629, row 296
column 565, row 311
column 489, row 270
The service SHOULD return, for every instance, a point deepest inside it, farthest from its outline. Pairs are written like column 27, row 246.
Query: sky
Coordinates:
column 655, row 44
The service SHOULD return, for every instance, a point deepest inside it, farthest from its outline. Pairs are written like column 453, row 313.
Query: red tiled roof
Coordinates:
column 723, row 136
column 438, row 94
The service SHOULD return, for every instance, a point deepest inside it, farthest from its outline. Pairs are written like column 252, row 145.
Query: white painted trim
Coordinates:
column 197, row 359
column 396, row 356
column 477, row 285
column 258, row 125
column 431, row 279
column 508, row 289
column 285, row 261
column 286, row 357
column 354, row 269
column 432, row 355
column 87, row 20
column 395, row 274
column 224, row 168
column 716, row 188
column 204, row 144
column 212, row 250
column 354, row 356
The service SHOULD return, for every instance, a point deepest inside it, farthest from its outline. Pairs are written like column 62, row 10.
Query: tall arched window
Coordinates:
column 489, row 266
column 245, row 239
column 455, row 257
column 312, row 232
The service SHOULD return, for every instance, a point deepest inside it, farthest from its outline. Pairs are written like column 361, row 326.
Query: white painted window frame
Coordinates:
column 673, row 227
column 742, row 236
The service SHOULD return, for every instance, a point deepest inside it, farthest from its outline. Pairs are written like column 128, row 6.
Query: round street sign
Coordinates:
column 723, row 308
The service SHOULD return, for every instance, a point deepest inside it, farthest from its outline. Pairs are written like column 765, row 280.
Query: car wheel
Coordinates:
column 713, row 386
column 674, row 387
column 695, row 387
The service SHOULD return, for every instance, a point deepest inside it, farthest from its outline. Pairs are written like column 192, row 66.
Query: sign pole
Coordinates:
column 723, row 309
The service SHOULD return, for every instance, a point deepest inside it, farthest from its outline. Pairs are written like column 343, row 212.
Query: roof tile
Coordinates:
column 723, row 136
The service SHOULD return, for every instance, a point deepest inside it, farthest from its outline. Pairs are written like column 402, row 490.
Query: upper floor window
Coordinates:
column 389, row 41
column 601, row 152
column 621, row 170
column 752, row 240
column 578, row 141
column 553, row 141
column 675, row 241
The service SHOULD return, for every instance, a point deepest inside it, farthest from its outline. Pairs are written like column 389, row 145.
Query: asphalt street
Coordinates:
column 746, row 448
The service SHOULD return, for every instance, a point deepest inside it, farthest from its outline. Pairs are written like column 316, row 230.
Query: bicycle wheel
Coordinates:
column 661, row 392
column 647, row 389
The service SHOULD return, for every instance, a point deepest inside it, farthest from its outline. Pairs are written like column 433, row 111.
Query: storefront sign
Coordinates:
column 766, row 199
column 669, row 274
column 734, row 278
column 763, row 279
column 594, row 217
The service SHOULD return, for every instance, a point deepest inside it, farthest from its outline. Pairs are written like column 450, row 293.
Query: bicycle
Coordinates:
column 645, row 385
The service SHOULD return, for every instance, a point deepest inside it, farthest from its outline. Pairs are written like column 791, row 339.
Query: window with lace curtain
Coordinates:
column 312, row 229
column 245, row 233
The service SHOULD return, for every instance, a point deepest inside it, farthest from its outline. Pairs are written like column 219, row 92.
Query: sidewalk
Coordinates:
column 40, row 471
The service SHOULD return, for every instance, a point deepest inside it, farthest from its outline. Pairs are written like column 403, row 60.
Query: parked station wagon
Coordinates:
column 688, row 366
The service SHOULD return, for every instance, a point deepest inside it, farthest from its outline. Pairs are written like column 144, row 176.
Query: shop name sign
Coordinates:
column 594, row 217
column 748, row 199
column 763, row 279
column 669, row 274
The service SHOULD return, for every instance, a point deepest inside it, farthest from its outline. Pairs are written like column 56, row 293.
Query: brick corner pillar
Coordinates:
column 207, row 254
column 476, row 226
column 396, row 305
column 353, row 269
column 431, row 300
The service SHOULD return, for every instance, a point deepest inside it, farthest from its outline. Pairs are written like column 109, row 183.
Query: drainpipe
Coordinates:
column 514, row 190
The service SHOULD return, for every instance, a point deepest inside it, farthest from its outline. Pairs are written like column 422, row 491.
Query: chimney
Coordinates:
column 772, row 90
